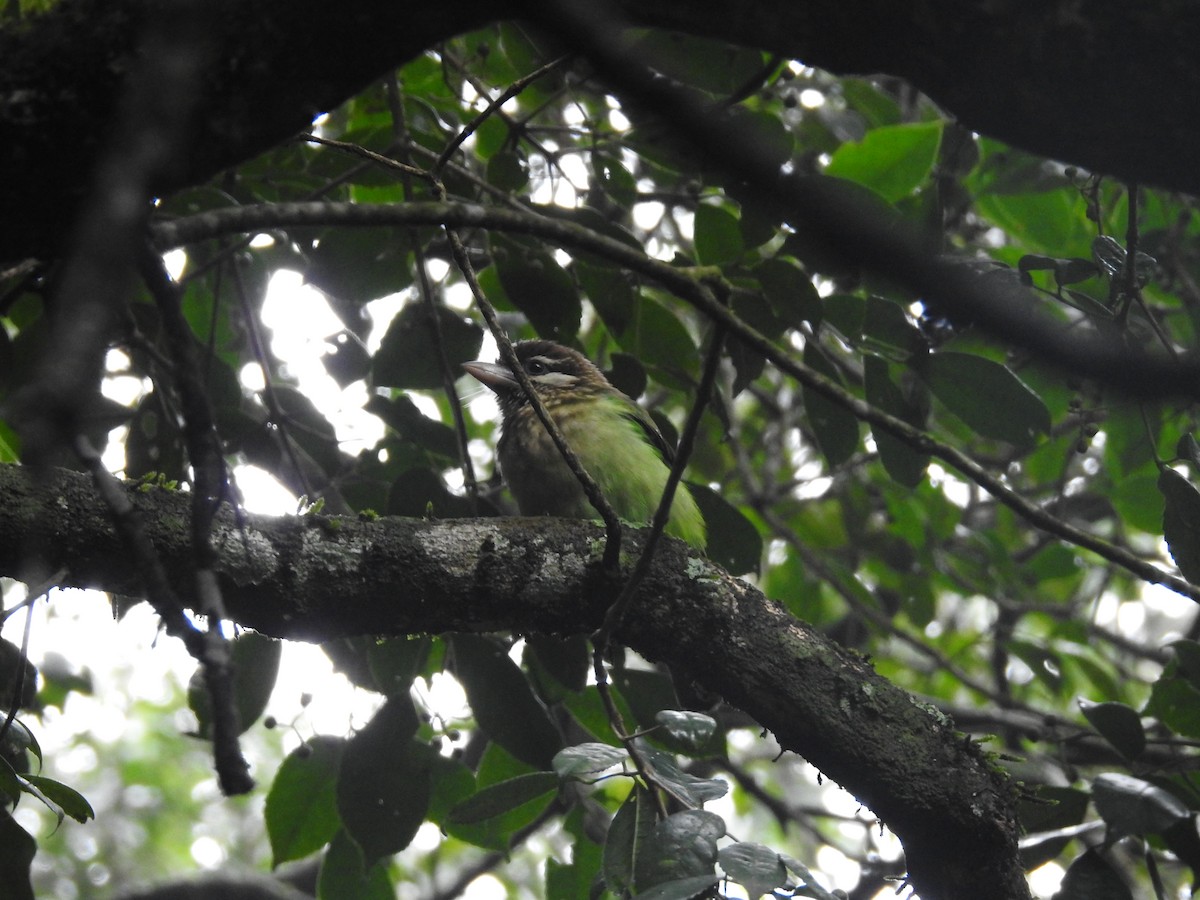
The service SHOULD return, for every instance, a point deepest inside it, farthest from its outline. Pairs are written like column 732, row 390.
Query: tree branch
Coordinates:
column 1040, row 76
column 1167, row 374
column 317, row 578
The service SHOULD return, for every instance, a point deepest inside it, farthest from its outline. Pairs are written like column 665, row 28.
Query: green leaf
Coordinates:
column 1139, row 502
column 790, row 291
column 1130, row 805
column 66, row 798
column 496, row 833
column 689, row 888
column 395, row 662
column 255, row 661
column 1049, row 223
column 708, row 64
column 811, row 887
column 584, row 761
column 987, row 396
column 508, row 171
column 689, row 788
column 756, row 868
column 1176, row 703
column 887, row 329
column 402, row 416
column 503, row 702
column 301, row 808
column 1118, row 724
column 566, row 660
column 834, row 426
column 718, row 239
column 610, row 292
column 683, row 845
column 344, row 875
column 733, row 542
column 10, row 781
column 500, row 798
column 408, row 354
column 657, row 338
column 893, row 160
column 905, row 464
column 1181, row 522
column 360, row 264
column 692, row 729
column 627, row 835
column 383, row 784
column 536, row 284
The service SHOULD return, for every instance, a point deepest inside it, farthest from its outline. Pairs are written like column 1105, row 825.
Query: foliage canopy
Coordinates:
column 997, row 532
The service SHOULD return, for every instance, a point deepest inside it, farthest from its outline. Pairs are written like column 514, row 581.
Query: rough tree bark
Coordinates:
column 316, row 578
column 1043, row 76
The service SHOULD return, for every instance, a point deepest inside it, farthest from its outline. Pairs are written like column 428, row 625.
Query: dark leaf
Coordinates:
column 1091, row 877
column 1130, row 805
column 1118, row 724
column 508, row 171
column 834, row 426
column 347, row 359
column 395, row 662
column 421, row 494
column 497, row 799
column 683, row 845
column 408, row 354
column 627, row 836
column 756, row 868
column 383, row 785
column 905, row 464
column 692, row 729
column 689, row 788
column 301, row 808
column 790, row 291
column 1181, row 522
column 402, row 416
column 62, row 797
column 585, row 761
column 733, row 541
column 567, row 660
column 255, row 661
column 718, row 239
column 344, row 874
column 360, row 264
column 503, row 702
column 987, row 396
column 536, row 284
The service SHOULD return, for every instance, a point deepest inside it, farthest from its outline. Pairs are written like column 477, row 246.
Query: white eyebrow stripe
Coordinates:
column 555, row 378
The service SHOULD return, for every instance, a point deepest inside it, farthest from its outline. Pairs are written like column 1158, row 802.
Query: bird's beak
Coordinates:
column 496, row 376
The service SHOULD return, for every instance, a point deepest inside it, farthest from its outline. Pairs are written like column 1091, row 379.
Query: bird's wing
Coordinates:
column 650, row 431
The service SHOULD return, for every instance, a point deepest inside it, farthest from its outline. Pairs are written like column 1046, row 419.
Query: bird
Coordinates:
column 614, row 438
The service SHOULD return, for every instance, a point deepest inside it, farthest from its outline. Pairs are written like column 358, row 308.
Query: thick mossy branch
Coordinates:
column 315, row 578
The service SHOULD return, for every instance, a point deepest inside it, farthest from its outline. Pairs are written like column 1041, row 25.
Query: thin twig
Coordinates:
column 511, row 91
column 432, row 309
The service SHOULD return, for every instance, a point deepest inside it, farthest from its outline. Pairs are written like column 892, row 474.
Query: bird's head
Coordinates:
column 558, row 374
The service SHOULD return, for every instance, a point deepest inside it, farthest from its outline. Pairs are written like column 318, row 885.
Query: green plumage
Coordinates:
column 614, row 438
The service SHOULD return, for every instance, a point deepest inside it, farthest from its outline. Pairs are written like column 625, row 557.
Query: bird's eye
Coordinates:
column 535, row 367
